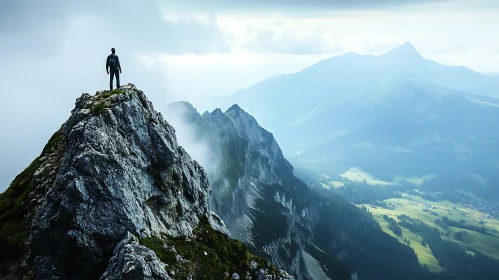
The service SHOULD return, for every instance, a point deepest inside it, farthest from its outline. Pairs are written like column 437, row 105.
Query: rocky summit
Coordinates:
column 113, row 196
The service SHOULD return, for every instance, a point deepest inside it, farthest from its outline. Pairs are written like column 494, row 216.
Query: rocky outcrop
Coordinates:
column 110, row 191
column 134, row 261
column 122, row 171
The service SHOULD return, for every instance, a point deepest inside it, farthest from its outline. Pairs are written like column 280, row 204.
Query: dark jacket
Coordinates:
column 118, row 66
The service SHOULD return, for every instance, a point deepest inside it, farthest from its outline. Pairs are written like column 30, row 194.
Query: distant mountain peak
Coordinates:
column 407, row 45
column 182, row 108
column 217, row 111
column 235, row 108
column 404, row 51
column 181, row 105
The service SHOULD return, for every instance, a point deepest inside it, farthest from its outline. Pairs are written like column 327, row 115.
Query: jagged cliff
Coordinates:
column 257, row 195
column 113, row 196
column 264, row 205
column 251, row 157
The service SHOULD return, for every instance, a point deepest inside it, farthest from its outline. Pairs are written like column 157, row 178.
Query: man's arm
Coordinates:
column 107, row 64
column 118, row 61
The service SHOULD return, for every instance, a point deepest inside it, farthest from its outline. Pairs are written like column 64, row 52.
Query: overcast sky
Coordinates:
column 52, row 51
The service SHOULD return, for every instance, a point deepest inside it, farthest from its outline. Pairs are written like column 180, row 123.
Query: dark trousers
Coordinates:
column 112, row 73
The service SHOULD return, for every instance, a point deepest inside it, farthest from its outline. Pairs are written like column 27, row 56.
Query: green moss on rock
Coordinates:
column 15, row 204
column 111, row 93
column 99, row 108
column 54, row 141
column 210, row 255
column 13, row 225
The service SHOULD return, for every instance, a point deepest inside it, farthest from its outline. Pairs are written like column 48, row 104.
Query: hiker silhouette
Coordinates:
column 113, row 66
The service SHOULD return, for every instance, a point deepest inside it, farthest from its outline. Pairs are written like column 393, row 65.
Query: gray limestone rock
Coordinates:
column 122, row 173
column 133, row 261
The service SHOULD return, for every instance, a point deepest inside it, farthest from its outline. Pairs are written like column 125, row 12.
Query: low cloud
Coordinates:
column 190, row 138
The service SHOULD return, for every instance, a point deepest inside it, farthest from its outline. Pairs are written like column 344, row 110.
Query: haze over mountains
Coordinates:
column 313, row 233
column 396, row 115
column 264, row 205
column 289, row 100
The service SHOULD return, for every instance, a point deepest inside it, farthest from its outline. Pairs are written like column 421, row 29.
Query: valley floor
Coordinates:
column 472, row 229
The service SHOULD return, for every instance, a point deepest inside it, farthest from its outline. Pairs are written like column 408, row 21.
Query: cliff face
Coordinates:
column 309, row 233
column 250, row 158
column 256, row 193
column 110, row 186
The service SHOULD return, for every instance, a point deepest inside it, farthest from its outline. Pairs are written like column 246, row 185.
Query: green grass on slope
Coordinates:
column 487, row 244
column 486, row 241
column 99, row 108
column 15, row 204
column 425, row 257
column 13, row 226
column 110, row 93
column 207, row 256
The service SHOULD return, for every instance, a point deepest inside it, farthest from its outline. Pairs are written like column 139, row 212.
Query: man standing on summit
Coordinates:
column 113, row 65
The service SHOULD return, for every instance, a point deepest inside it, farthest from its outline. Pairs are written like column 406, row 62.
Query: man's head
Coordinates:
column 112, row 50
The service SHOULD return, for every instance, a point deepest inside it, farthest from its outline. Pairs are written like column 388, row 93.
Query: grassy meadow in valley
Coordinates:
column 413, row 217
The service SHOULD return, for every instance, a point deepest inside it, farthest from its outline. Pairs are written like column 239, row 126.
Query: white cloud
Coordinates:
column 294, row 6
column 30, row 25
column 454, row 32
column 282, row 39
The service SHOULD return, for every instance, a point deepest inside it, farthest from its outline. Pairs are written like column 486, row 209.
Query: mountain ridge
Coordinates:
column 405, row 54
column 113, row 196
column 277, row 214
column 315, row 217
column 350, row 81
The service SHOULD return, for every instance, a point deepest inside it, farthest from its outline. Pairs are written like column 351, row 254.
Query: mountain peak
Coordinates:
column 182, row 108
column 217, row 111
column 182, row 104
column 408, row 46
column 235, row 107
column 404, row 51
